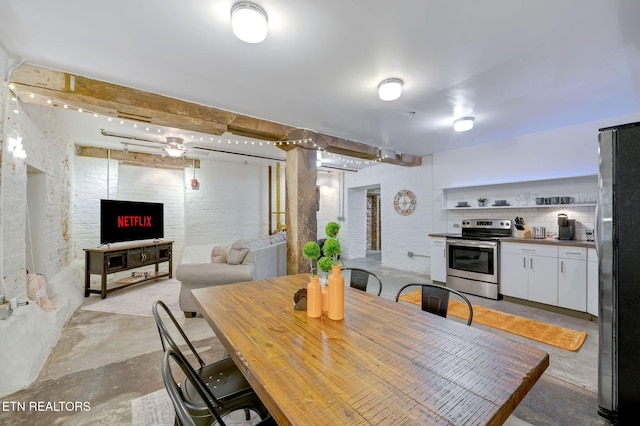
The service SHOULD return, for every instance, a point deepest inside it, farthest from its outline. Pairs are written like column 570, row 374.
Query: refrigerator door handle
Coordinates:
column 596, row 226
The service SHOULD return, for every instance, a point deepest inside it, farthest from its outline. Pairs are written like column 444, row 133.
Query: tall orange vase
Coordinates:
column 325, row 299
column 336, row 294
column 314, row 297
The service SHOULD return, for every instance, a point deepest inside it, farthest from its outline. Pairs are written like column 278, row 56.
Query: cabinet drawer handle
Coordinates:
column 524, row 262
column 562, row 266
column 531, row 262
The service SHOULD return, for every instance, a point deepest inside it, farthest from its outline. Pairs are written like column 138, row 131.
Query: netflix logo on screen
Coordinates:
column 139, row 221
column 130, row 221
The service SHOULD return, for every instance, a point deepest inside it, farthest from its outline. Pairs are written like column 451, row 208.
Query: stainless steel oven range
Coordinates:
column 473, row 264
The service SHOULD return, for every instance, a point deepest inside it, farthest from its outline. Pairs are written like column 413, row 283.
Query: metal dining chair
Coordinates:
column 359, row 278
column 180, row 404
column 225, row 386
column 435, row 299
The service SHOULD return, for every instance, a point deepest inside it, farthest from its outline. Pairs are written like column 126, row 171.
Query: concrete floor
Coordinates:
column 106, row 360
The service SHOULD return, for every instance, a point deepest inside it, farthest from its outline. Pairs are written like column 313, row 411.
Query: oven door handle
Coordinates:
column 472, row 243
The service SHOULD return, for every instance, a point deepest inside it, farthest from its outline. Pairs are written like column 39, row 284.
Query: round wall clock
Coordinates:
column 404, row 202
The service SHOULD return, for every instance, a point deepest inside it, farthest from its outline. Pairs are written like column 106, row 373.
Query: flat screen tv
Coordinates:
column 130, row 220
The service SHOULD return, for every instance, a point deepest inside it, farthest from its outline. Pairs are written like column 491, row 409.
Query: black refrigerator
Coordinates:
column 617, row 232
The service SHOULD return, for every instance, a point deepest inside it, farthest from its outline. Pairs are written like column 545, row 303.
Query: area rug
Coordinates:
column 137, row 299
column 550, row 334
column 152, row 409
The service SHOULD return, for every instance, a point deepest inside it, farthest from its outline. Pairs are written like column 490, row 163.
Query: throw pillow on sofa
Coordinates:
column 237, row 252
column 219, row 254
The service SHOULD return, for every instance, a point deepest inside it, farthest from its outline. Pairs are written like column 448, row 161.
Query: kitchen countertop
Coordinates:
column 547, row 241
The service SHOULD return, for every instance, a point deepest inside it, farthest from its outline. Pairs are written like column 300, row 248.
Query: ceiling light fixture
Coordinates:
column 249, row 22
column 463, row 124
column 174, row 147
column 390, row 89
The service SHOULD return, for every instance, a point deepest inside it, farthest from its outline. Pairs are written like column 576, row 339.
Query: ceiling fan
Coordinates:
column 172, row 146
column 175, row 146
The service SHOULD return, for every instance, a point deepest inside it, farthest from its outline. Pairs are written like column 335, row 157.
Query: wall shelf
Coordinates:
column 523, row 194
column 544, row 206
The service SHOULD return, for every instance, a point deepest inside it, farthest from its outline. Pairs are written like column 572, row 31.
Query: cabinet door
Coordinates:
column 150, row 255
column 438, row 260
column 513, row 275
column 543, row 279
column 164, row 252
column 592, row 282
column 572, row 284
column 135, row 258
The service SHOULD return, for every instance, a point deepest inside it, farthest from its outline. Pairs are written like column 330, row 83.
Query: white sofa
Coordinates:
column 244, row 260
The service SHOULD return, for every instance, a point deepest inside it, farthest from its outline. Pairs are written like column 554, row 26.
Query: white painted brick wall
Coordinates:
column 90, row 187
column 547, row 217
column 29, row 332
column 232, row 201
column 399, row 234
column 330, row 201
column 48, row 148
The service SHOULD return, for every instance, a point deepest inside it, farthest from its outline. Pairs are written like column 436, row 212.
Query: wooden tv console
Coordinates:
column 107, row 260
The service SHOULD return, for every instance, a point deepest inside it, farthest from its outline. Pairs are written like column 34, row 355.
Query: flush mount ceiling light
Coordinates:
column 249, row 22
column 463, row 124
column 390, row 89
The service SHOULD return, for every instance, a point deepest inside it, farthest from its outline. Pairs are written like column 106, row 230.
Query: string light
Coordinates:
column 326, row 154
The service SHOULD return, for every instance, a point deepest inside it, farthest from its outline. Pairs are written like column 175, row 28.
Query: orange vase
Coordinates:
column 325, row 299
column 314, row 297
column 336, row 294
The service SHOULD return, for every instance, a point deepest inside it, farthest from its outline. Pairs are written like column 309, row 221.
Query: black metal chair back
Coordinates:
column 176, row 395
column 359, row 278
column 165, row 335
column 435, row 299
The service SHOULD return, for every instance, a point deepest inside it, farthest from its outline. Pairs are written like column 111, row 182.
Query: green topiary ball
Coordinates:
column 325, row 264
column 331, row 247
column 311, row 250
column 332, row 229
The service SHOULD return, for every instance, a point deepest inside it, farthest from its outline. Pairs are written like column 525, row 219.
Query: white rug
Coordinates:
column 137, row 299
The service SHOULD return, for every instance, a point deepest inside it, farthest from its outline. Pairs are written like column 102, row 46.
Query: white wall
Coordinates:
column 232, row 201
column 568, row 151
column 95, row 179
column 331, row 202
column 29, row 333
column 399, row 234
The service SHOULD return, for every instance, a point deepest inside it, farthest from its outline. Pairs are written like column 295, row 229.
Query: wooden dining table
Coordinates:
column 385, row 363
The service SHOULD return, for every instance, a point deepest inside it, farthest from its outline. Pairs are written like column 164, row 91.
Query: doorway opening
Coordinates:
column 35, row 229
column 374, row 235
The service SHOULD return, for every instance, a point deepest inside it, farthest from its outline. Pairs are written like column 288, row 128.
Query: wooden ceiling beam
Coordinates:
column 117, row 101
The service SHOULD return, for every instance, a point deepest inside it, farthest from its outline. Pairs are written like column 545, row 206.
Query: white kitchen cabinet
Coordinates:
column 572, row 278
column 514, row 275
column 529, row 271
column 592, row 282
column 439, row 259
